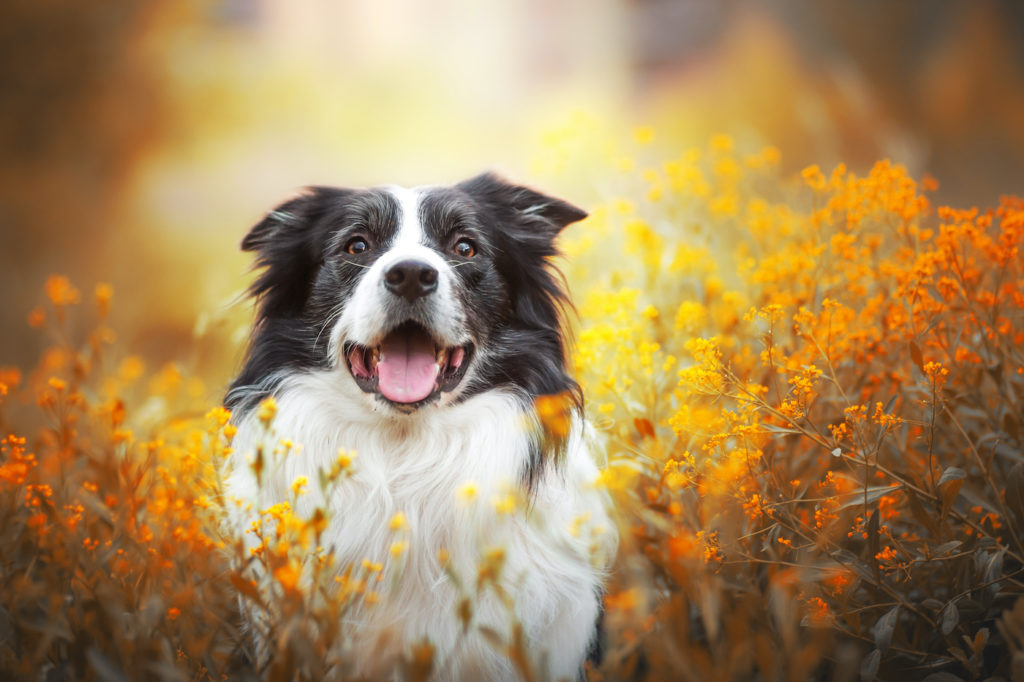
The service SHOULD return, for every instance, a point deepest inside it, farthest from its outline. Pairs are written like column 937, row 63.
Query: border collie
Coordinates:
column 420, row 328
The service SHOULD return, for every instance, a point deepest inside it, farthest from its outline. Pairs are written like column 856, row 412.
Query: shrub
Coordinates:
column 815, row 443
column 809, row 394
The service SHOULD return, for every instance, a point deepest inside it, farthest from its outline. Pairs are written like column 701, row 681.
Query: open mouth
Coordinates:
column 408, row 367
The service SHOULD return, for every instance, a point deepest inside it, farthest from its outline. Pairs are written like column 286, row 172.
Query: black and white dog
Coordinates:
column 419, row 327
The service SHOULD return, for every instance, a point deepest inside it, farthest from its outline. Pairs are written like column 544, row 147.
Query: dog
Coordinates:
column 421, row 328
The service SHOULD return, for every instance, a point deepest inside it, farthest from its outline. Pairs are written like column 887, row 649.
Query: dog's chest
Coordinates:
column 452, row 479
column 450, row 474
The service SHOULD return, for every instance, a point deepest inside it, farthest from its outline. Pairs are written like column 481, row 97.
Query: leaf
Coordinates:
column 949, row 487
column 945, row 548
column 778, row 429
column 645, row 427
column 1015, row 490
column 952, row 474
column 885, row 627
column 869, row 666
column 993, row 572
column 980, row 640
column 1010, row 426
column 950, row 618
column 994, row 569
column 915, row 355
column 932, row 604
column 849, row 560
column 874, row 493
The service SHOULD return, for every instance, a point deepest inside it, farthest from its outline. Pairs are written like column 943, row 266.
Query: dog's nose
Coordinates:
column 411, row 279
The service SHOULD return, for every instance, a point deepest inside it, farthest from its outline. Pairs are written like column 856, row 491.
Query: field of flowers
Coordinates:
column 809, row 391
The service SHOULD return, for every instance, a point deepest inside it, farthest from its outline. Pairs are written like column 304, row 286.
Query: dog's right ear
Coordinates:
column 292, row 218
column 289, row 243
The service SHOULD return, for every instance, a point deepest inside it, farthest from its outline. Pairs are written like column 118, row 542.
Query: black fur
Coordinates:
column 300, row 288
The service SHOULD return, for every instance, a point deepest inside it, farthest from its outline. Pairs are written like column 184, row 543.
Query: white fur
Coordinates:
column 416, row 464
column 557, row 543
column 365, row 318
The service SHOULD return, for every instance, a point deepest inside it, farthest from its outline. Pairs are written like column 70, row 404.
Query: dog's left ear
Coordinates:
column 522, row 205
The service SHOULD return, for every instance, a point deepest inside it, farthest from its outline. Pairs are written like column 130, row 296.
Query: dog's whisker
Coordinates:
column 332, row 316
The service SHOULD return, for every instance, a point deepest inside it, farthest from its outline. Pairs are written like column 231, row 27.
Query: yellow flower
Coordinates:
column 298, row 485
column 643, row 135
column 61, row 292
column 813, row 177
column 132, row 367
column 467, row 491
column 219, row 416
column 288, row 575
column 398, row 521
column 721, row 143
column 36, row 317
column 505, row 504
column 555, row 413
column 267, row 410
column 102, row 294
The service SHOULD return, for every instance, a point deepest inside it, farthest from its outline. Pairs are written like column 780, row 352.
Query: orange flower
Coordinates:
column 103, row 293
column 61, row 292
column 555, row 413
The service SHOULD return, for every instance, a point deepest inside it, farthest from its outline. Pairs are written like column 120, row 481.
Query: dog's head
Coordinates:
column 424, row 296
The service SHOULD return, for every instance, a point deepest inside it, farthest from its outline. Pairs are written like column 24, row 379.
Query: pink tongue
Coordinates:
column 407, row 368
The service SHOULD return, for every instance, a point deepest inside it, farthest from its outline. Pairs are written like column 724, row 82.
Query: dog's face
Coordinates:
column 423, row 296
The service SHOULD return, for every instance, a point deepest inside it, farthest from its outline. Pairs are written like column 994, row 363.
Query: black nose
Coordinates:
column 411, row 279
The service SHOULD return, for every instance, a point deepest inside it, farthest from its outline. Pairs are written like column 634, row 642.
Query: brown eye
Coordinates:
column 464, row 248
column 357, row 246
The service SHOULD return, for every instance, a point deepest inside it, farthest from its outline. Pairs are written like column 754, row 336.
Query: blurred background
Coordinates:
column 139, row 139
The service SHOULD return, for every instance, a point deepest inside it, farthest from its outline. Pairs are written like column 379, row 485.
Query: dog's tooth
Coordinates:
column 458, row 355
column 442, row 356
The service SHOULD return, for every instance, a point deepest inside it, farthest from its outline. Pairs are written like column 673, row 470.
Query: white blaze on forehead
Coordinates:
column 373, row 310
column 410, row 229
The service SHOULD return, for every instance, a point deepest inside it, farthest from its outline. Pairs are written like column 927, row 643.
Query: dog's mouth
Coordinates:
column 408, row 368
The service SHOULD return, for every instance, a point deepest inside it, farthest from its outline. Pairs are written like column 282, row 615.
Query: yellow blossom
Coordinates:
column 267, row 410
column 298, row 486
column 398, row 521
column 467, row 491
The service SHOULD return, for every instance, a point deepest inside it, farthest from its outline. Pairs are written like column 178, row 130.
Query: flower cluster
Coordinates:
column 808, row 389
column 823, row 375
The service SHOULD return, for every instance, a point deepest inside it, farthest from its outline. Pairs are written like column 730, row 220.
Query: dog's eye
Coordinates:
column 357, row 246
column 464, row 248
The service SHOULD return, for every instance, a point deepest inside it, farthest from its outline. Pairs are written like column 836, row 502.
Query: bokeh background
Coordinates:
column 140, row 138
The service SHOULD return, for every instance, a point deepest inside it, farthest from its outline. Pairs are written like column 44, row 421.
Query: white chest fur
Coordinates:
column 555, row 548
